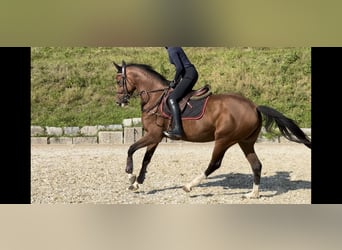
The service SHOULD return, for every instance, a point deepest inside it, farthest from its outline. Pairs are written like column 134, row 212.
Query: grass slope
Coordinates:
column 74, row 86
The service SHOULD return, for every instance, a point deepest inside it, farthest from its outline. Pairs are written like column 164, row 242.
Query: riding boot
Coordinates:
column 177, row 132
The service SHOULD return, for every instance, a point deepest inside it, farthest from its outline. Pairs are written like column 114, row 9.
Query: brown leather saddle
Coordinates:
column 192, row 106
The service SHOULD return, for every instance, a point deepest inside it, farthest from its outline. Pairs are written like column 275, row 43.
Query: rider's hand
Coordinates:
column 173, row 84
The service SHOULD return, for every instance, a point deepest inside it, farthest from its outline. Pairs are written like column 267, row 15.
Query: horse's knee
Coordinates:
column 131, row 150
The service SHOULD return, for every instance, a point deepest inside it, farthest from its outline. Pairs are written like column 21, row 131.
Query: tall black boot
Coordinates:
column 177, row 132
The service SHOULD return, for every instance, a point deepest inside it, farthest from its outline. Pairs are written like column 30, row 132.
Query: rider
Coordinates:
column 185, row 78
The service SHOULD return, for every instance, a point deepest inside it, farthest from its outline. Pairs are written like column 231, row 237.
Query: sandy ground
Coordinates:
column 64, row 174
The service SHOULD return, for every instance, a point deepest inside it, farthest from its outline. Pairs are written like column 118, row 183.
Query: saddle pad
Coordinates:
column 193, row 110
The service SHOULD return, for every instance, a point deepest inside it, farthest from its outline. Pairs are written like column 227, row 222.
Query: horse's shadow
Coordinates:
column 276, row 184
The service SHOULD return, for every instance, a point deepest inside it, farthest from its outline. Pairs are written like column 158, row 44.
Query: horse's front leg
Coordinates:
column 143, row 142
column 134, row 182
column 147, row 158
column 129, row 165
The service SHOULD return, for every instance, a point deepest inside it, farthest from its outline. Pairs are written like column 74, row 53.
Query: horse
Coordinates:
column 227, row 119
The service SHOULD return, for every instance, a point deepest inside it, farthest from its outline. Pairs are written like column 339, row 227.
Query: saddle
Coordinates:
column 192, row 105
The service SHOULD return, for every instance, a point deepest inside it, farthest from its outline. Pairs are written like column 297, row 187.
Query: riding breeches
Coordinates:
column 185, row 85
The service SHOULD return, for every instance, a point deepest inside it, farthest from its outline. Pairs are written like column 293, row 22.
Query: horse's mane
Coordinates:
column 150, row 70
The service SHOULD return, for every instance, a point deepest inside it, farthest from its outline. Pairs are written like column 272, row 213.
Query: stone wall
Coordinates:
column 126, row 133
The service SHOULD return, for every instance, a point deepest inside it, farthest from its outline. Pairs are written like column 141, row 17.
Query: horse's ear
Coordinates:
column 118, row 67
column 123, row 63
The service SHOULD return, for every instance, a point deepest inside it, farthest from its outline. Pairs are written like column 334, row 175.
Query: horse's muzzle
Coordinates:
column 122, row 103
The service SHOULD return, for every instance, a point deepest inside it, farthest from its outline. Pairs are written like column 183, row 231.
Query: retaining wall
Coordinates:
column 126, row 133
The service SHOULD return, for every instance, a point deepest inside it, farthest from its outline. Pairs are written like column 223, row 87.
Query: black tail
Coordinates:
column 287, row 127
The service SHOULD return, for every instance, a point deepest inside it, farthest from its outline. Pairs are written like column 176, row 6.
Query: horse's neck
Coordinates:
column 145, row 82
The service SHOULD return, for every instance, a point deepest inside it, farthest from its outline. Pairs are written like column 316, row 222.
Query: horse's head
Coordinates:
column 124, row 88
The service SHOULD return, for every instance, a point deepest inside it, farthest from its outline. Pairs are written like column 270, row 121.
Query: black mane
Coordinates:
column 149, row 69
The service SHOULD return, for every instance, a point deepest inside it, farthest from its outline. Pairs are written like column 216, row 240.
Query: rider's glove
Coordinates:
column 173, row 84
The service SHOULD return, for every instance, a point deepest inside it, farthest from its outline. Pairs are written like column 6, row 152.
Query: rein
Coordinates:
column 160, row 98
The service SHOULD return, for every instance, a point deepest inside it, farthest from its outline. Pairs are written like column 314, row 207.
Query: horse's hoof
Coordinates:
column 131, row 178
column 187, row 189
column 133, row 187
column 251, row 196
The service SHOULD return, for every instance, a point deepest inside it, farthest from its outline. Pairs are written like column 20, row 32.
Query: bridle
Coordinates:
column 127, row 95
column 123, row 83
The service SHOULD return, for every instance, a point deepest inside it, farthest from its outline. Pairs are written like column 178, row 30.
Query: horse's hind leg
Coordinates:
column 215, row 163
column 248, row 149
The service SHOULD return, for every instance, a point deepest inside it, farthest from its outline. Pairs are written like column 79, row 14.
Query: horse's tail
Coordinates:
column 287, row 126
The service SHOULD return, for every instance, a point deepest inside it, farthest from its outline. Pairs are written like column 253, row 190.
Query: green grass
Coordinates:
column 75, row 86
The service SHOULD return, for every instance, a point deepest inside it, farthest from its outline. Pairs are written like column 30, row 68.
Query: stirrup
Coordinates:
column 172, row 135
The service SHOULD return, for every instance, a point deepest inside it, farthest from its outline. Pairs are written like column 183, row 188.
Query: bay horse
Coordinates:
column 228, row 119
